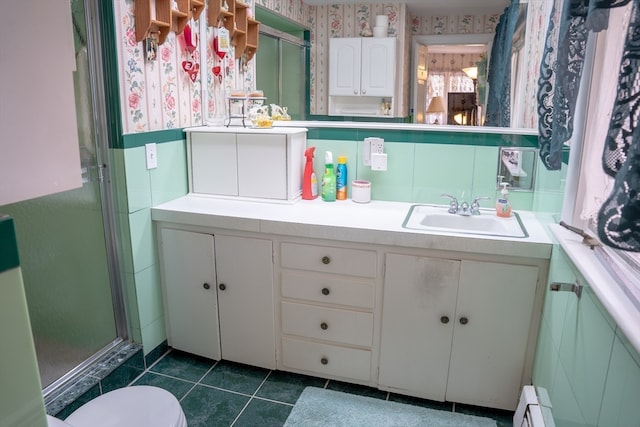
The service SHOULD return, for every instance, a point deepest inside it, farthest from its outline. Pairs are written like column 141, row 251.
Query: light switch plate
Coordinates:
column 378, row 161
column 152, row 155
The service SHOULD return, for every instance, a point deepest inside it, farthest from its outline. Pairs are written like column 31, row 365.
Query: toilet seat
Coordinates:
column 135, row 406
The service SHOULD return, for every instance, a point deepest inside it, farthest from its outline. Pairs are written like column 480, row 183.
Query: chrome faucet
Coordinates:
column 475, row 205
column 464, row 208
column 453, row 204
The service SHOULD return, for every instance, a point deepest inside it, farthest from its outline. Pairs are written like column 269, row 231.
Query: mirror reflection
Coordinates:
column 452, row 79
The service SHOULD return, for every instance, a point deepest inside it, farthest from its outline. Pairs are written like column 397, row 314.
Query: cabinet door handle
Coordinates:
column 364, row 91
column 464, row 320
column 206, row 286
column 325, row 291
column 326, row 259
column 355, row 91
column 444, row 319
column 222, row 286
column 324, row 326
column 324, row 361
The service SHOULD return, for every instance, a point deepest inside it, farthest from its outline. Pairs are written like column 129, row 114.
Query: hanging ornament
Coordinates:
column 190, row 66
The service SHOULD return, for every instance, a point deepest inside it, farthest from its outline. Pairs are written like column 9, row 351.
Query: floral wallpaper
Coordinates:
column 160, row 94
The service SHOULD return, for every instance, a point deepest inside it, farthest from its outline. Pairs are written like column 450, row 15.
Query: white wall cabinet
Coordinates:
column 456, row 330
column 215, row 306
column 249, row 163
column 361, row 75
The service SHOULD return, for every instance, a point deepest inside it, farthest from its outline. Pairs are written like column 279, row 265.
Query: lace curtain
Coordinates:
column 498, row 112
column 560, row 74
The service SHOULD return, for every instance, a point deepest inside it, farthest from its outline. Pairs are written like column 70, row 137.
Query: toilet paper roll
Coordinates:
column 382, row 21
column 361, row 191
column 380, row 31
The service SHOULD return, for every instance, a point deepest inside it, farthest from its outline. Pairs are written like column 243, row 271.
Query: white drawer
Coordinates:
column 331, row 324
column 326, row 359
column 328, row 289
column 327, row 259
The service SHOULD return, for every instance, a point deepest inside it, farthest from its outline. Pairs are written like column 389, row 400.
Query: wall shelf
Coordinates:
column 243, row 30
column 162, row 16
column 150, row 20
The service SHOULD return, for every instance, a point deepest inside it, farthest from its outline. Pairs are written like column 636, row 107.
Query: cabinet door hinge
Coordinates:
column 101, row 169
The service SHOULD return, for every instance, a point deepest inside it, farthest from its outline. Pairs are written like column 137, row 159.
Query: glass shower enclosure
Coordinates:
column 64, row 245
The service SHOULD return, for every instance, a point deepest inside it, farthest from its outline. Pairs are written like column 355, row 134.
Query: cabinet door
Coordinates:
column 489, row 349
column 188, row 273
column 262, row 166
column 245, row 295
column 344, row 66
column 378, row 66
column 214, row 166
column 417, row 324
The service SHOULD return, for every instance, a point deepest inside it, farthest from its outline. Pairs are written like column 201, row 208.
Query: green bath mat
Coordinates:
column 320, row 407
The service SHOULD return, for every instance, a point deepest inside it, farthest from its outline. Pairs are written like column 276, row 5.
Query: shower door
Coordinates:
column 64, row 251
column 280, row 71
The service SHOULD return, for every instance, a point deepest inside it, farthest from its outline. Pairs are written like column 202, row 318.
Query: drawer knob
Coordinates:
column 325, row 291
column 324, row 361
column 444, row 319
column 326, row 259
column 464, row 320
column 324, row 326
column 222, row 286
column 206, row 286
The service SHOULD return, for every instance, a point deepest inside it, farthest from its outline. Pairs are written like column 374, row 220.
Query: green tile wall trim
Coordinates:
column 133, row 140
column 8, row 244
column 426, row 137
column 110, row 73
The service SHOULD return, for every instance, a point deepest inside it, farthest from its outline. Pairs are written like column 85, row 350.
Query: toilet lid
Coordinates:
column 136, row 406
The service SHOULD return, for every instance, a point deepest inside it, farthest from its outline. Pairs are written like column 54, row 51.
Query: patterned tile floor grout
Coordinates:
column 222, row 393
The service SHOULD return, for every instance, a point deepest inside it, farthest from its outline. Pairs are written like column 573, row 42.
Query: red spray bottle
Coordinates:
column 309, row 179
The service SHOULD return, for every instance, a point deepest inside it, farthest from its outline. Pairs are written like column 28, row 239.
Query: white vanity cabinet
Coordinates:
column 215, row 305
column 327, row 310
column 244, row 162
column 456, row 330
column 361, row 74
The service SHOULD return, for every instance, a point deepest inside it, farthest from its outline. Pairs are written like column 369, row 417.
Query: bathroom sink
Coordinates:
column 437, row 218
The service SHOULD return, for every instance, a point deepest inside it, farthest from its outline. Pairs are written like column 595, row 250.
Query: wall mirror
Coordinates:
column 517, row 166
column 447, row 66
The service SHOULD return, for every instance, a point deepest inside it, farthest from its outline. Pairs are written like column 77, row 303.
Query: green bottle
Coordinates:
column 328, row 179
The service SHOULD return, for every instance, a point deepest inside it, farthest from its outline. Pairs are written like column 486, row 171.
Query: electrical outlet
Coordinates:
column 370, row 146
column 152, row 155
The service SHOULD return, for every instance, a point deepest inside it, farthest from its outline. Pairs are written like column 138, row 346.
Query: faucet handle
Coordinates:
column 475, row 205
column 453, row 204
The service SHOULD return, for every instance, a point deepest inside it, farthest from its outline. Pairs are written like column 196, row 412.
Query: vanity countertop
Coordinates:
column 377, row 222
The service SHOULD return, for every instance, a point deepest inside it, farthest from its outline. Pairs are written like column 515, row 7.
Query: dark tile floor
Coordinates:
column 229, row 394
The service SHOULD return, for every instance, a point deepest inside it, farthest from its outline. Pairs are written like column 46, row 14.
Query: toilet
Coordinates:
column 135, row 406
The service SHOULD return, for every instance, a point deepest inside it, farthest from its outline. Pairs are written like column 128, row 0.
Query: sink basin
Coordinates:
column 437, row 218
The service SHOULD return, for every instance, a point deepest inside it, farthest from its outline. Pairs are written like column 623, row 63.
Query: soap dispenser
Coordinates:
column 503, row 206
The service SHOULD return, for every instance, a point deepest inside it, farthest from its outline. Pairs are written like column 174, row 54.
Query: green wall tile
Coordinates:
column 149, row 295
column 131, row 302
column 442, row 169
column 485, row 171
column 138, row 179
column 142, row 240
column 118, row 175
column 153, row 335
column 587, row 340
column 169, row 179
column 622, row 391
column 396, row 182
column 546, row 358
column 555, row 303
column 566, row 411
